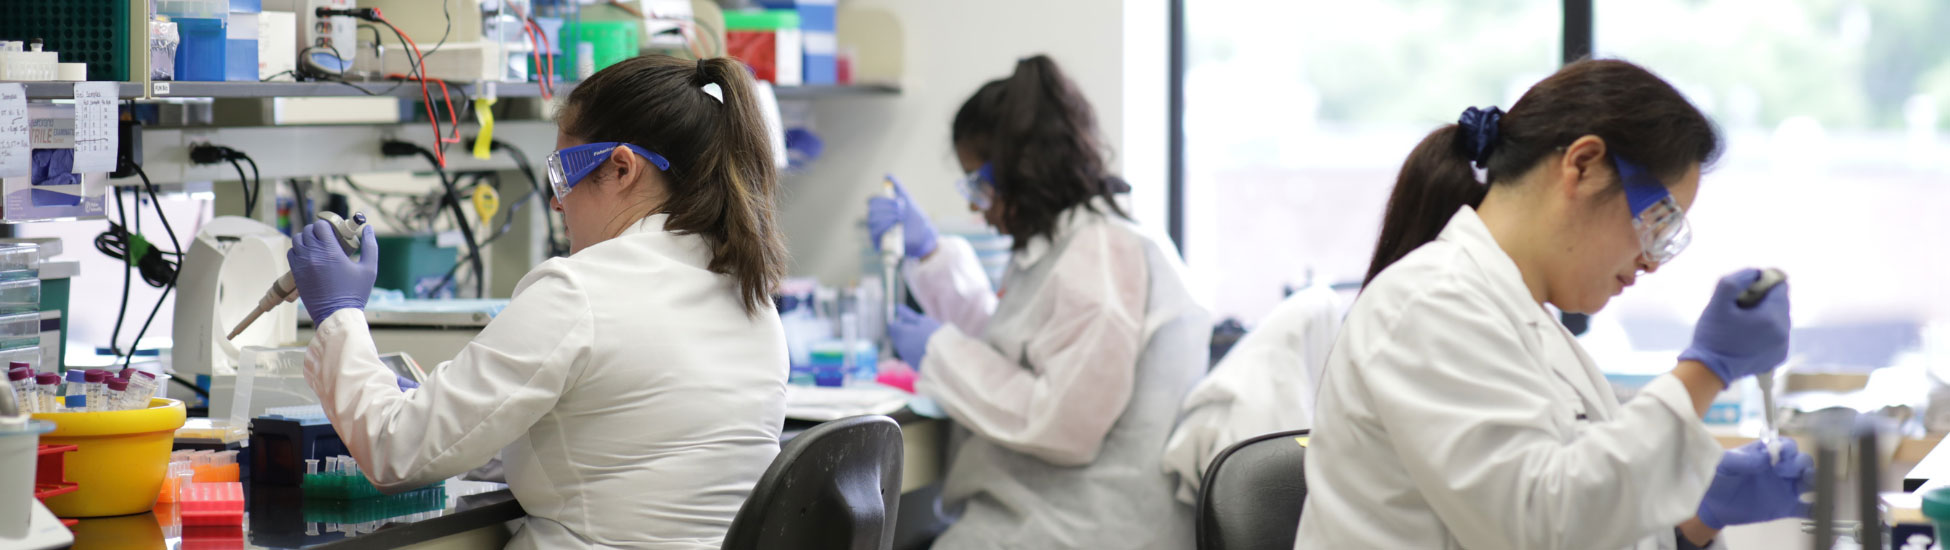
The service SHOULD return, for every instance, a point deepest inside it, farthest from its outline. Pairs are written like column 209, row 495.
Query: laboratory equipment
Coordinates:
column 770, row 42
column 119, row 459
column 1769, row 278
column 212, row 504
column 114, row 394
column 892, row 245
column 280, row 441
column 21, row 385
column 49, row 391
column 286, row 288
column 93, row 389
column 24, row 522
column 227, row 267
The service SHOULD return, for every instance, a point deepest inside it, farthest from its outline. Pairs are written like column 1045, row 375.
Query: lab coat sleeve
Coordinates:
column 501, row 383
column 951, row 286
column 1078, row 372
column 1472, row 419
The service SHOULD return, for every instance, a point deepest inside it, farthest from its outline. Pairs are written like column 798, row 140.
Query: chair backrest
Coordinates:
column 1252, row 494
column 837, row 485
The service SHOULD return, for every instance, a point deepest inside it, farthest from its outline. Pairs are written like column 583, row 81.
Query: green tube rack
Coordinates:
column 344, row 485
column 364, row 510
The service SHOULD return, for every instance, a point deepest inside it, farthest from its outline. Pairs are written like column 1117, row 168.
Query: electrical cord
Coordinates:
column 171, row 283
column 128, row 274
column 555, row 246
column 401, row 148
column 507, row 224
column 253, row 186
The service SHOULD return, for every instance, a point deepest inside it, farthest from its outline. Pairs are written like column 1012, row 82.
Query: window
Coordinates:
column 1299, row 114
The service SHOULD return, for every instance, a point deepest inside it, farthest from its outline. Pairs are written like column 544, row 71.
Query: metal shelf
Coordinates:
column 131, row 90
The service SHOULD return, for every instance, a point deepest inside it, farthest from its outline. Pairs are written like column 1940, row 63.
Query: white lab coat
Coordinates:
column 1264, row 385
column 633, row 401
column 1069, row 385
column 1455, row 412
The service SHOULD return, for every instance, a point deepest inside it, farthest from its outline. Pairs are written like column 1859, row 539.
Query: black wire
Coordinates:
column 555, row 247
column 303, row 208
column 128, row 274
column 153, row 200
column 447, row 11
column 507, row 224
column 460, row 218
column 250, row 201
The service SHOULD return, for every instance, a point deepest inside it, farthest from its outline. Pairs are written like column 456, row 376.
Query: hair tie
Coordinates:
column 702, row 78
column 1479, row 128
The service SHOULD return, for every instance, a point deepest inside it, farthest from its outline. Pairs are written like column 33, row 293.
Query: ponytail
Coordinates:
column 704, row 117
column 1039, row 135
column 1639, row 116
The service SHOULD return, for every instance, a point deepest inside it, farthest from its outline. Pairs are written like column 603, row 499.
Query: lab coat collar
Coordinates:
column 1067, row 222
column 689, row 249
column 1468, row 231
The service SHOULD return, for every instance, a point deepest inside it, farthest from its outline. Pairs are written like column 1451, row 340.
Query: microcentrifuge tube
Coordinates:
column 311, row 466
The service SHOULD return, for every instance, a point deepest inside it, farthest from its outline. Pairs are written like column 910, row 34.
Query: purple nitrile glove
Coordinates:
column 909, row 332
column 884, row 213
column 1748, row 488
column 327, row 278
column 1737, row 342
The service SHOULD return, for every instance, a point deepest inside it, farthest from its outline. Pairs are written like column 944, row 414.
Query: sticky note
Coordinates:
column 94, row 127
column 16, row 156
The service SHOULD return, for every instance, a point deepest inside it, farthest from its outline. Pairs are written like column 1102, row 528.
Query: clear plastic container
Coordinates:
column 213, row 9
column 20, row 261
column 20, row 333
column 21, row 296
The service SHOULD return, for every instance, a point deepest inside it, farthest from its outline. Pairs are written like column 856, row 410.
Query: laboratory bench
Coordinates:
column 456, row 513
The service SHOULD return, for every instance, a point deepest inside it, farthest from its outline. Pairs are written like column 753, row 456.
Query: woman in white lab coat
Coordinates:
column 1455, row 412
column 634, row 389
column 1067, row 384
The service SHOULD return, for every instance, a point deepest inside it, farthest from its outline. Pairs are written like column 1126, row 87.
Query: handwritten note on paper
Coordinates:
column 94, row 127
column 16, row 156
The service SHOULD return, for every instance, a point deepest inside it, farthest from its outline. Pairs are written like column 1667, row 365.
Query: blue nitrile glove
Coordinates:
column 883, row 213
column 1748, row 489
column 327, row 279
column 1735, row 343
column 405, row 383
column 910, row 331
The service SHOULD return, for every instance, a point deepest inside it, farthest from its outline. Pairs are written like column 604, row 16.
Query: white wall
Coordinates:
column 951, row 48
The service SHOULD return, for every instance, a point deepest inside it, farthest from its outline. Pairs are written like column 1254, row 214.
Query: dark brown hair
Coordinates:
column 1039, row 136
column 723, row 183
column 1640, row 117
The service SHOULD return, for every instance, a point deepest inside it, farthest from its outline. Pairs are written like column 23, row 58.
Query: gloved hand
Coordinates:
column 883, row 213
column 910, row 331
column 1748, row 489
column 327, row 279
column 1734, row 342
column 405, row 383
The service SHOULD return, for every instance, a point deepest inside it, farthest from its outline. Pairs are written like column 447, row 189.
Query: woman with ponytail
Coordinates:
column 633, row 389
column 1068, row 383
column 1455, row 412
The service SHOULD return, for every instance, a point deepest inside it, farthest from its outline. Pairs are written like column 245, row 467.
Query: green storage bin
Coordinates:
column 760, row 20
column 406, row 261
column 608, row 42
column 95, row 32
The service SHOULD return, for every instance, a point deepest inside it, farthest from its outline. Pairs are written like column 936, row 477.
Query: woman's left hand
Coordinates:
column 1748, row 487
column 327, row 278
column 909, row 332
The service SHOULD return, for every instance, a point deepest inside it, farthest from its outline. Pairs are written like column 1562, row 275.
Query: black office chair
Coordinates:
column 838, row 486
column 1252, row 494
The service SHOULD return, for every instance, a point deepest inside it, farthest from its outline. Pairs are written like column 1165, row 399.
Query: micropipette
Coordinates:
column 286, row 287
column 1769, row 278
column 890, row 263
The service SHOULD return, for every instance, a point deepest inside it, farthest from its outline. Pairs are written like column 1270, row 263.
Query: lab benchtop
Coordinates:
column 282, row 518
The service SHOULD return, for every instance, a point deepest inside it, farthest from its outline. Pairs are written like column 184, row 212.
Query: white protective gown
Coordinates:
column 634, row 402
column 1455, row 412
column 1069, row 385
column 1265, row 384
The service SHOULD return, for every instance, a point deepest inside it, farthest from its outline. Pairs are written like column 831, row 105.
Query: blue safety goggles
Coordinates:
column 978, row 186
column 1656, row 215
column 568, row 166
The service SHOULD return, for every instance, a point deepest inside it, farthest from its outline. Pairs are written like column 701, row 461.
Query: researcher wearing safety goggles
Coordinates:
column 634, row 389
column 1456, row 412
column 1069, row 382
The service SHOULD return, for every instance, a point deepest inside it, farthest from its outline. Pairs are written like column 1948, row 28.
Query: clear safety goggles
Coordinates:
column 568, row 166
column 978, row 186
column 1656, row 215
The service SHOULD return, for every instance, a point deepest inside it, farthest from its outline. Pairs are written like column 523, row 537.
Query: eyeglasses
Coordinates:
column 1656, row 215
column 978, row 186
column 568, row 166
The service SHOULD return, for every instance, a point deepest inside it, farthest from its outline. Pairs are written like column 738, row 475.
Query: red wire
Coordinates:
column 534, row 37
column 439, row 143
column 548, row 76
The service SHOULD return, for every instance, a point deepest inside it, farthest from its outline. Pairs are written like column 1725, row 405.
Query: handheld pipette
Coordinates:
column 1769, row 278
column 890, row 262
column 286, row 287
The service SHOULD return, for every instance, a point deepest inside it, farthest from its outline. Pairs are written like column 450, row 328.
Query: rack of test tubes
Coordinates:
column 91, row 390
column 212, row 504
column 369, row 510
column 337, row 478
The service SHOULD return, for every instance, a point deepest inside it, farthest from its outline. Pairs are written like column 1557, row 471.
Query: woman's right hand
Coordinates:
column 884, row 213
column 1736, row 342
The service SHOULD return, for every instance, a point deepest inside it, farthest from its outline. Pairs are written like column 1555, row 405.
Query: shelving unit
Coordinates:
column 394, row 88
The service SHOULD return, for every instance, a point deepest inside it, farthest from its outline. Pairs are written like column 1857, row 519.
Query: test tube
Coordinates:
column 117, row 395
column 94, row 389
column 142, row 386
column 77, row 380
column 50, row 385
column 311, row 466
column 20, row 381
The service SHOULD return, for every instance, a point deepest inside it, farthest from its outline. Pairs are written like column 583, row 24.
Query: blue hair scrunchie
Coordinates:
column 1479, row 129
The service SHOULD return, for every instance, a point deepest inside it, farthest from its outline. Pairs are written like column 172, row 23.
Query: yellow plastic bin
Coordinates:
column 120, row 459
